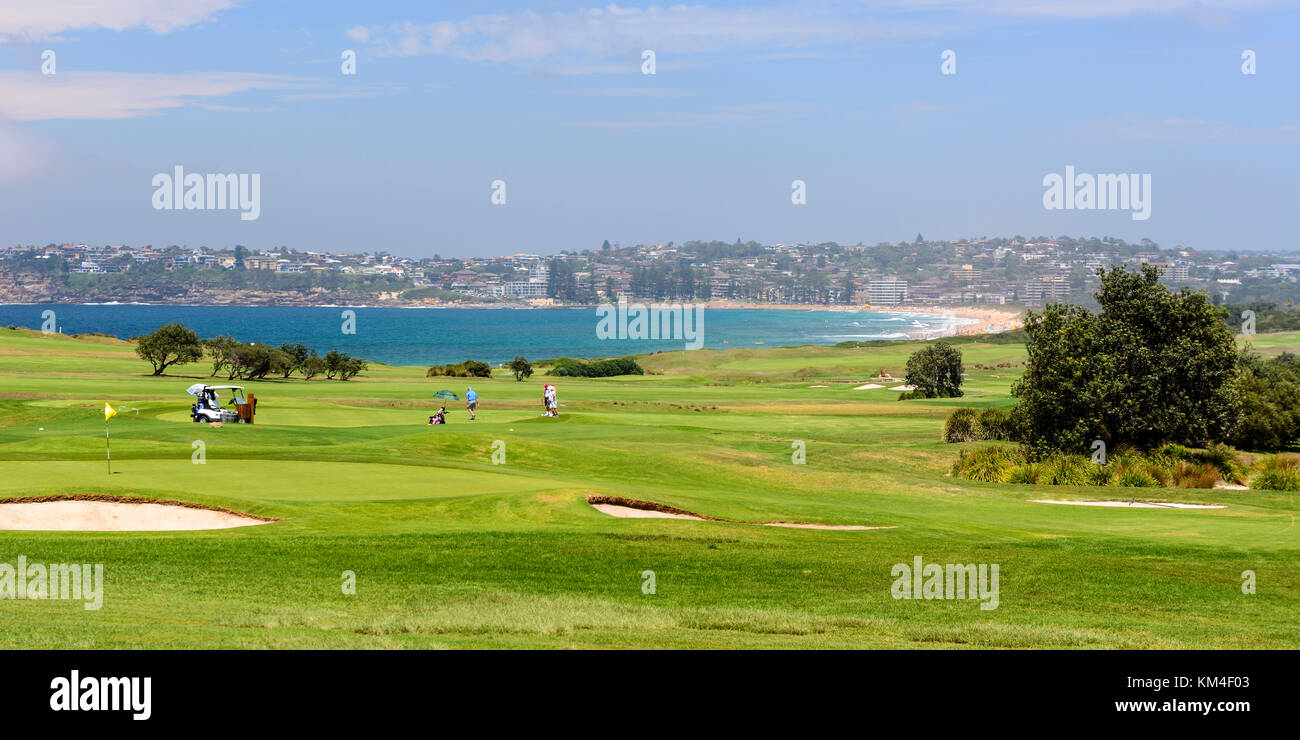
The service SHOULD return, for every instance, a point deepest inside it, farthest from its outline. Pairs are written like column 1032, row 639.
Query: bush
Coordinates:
column 1189, row 475
column 992, row 464
column 1027, row 474
column 1279, row 473
column 466, row 369
column 1066, row 470
column 995, row 424
column 1137, row 479
column 1101, row 475
column 566, row 367
column 962, row 425
column 1225, row 459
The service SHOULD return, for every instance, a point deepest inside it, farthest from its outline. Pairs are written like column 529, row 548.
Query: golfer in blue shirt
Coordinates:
column 471, row 401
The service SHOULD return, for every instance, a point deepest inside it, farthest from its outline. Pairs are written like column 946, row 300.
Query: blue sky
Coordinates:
column 550, row 97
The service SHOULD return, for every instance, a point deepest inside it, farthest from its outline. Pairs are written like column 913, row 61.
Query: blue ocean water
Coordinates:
column 426, row 336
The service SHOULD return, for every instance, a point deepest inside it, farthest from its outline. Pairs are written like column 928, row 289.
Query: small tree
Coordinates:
column 299, row 352
column 312, row 366
column 171, row 344
column 283, row 363
column 219, row 350
column 333, row 363
column 350, row 366
column 521, row 367
column 935, row 371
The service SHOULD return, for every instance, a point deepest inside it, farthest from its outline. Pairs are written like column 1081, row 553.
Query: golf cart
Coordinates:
column 208, row 406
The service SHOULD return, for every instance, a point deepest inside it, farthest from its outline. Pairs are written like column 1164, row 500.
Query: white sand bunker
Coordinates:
column 626, row 508
column 868, row 387
column 1133, row 504
column 76, row 515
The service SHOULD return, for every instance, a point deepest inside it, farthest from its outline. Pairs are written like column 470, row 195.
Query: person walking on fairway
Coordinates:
column 471, row 401
column 552, row 405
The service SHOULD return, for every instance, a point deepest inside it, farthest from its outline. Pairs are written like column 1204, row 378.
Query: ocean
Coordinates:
column 427, row 336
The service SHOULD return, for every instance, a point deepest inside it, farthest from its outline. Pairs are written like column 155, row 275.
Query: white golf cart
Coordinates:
column 208, row 406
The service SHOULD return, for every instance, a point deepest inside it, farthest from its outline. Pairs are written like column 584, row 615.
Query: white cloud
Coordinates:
column 28, row 96
column 38, row 19
column 586, row 40
column 614, row 31
column 1088, row 8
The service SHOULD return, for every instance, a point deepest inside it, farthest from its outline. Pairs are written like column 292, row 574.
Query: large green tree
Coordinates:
column 170, row 344
column 1152, row 366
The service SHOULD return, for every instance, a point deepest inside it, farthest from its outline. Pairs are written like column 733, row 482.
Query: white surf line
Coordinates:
column 1134, row 504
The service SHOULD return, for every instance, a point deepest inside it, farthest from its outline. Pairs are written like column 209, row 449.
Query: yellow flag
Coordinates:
column 109, row 411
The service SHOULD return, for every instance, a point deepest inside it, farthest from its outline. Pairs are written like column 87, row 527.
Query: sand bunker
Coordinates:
column 903, row 388
column 868, row 387
column 109, row 514
column 628, row 508
column 1133, row 504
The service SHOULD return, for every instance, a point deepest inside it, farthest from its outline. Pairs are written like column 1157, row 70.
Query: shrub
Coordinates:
column 1066, row 470
column 1101, row 475
column 1137, row 479
column 995, row 424
column 566, row 367
column 962, row 425
column 1225, row 459
column 1189, row 475
column 992, row 464
column 466, row 369
column 1279, row 473
column 1028, row 474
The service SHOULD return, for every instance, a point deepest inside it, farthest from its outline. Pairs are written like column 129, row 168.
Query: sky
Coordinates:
column 552, row 100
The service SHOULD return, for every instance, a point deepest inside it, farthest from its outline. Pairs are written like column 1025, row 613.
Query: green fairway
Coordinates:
column 452, row 550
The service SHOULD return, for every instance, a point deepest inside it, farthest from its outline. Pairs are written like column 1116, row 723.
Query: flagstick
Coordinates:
column 108, row 450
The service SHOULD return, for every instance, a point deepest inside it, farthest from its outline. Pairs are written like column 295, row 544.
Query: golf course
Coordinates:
column 480, row 534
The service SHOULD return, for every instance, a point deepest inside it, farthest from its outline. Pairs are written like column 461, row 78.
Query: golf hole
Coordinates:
column 116, row 514
column 1133, row 504
column 630, row 508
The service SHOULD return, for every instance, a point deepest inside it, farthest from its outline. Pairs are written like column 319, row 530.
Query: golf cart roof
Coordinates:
column 198, row 388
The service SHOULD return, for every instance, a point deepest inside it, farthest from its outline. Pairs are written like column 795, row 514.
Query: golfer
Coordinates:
column 471, row 401
column 552, row 405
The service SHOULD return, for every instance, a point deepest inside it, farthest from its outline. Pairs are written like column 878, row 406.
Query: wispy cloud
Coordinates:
column 725, row 114
column 28, row 96
column 596, row 34
column 33, row 20
column 610, row 39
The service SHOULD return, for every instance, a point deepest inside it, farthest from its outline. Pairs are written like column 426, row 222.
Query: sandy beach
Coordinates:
column 991, row 319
